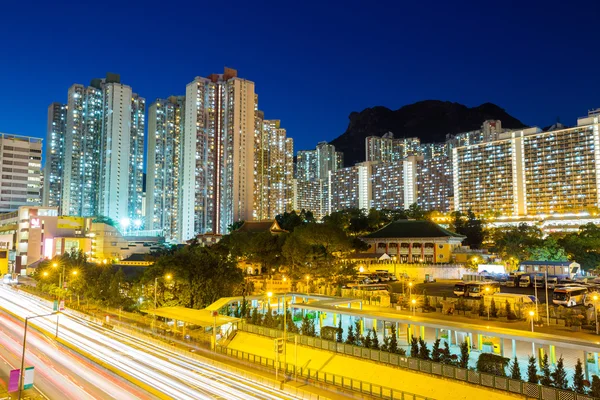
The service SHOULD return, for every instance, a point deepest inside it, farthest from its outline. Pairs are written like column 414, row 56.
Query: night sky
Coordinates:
column 313, row 62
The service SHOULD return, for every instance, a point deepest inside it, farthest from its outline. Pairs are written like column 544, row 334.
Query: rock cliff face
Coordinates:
column 429, row 120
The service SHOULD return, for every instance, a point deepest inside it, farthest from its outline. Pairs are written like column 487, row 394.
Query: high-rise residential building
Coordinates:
column 389, row 149
column 136, row 160
column 434, row 183
column 433, row 150
column 273, row 170
column 82, row 150
column 394, row 184
column 103, row 151
column 165, row 130
column 55, row 154
column 313, row 173
column 20, row 182
column 306, row 165
column 530, row 172
column 312, row 196
column 318, row 163
column 490, row 130
column 217, row 175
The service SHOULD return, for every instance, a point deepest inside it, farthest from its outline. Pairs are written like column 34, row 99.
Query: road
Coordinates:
column 59, row 373
column 172, row 374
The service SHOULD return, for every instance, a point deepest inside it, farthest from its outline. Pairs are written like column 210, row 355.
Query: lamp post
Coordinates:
column 532, row 314
column 595, row 298
column 24, row 347
column 269, row 295
column 414, row 303
column 410, row 285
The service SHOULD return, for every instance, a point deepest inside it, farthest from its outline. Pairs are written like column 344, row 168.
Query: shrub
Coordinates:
column 414, row 347
column 492, row 364
column 436, row 352
column 423, row 350
column 532, row 376
column 374, row 340
column 464, row 355
column 546, row 379
column 578, row 378
column 559, row 376
column 493, row 310
column 515, row 371
column 350, row 338
column 393, row 348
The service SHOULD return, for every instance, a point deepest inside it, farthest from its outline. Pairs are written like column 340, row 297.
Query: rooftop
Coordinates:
column 261, row 226
column 412, row 229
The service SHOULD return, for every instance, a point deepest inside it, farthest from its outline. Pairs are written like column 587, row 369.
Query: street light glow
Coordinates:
column 531, row 313
column 413, row 301
column 45, row 273
column 55, row 265
column 168, row 277
column 270, row 294
column 74, row 272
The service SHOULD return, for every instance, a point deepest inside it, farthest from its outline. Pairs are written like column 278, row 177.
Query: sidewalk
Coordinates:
column 400, row 379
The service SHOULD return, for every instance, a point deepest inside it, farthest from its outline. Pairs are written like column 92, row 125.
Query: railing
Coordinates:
column 371, row 389
column 429, row 367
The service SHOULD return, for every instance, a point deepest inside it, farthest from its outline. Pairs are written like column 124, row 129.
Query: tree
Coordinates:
column 493, row 309
column 340, row 332
column 469, row 226
column 546, row 379
column 200, row 275
column 414, row 347
column 516, row 242
column 436, row 352
column 446, row 359
column 350, row 338
column 393, row 348
column 559, row 376
column 415, row 211
column 368, row 342
column 268, row 321
column 235, row 226
column 578, row 378
column 423, row 350
column 595, row 390
column 254, row 317
column 374, row 340
column 583, row 246
column 308, row 327
column 357, row 328
column 532, row 376
column 550, row 250
column 464, row 355
column 515, row 371
column 386, row 343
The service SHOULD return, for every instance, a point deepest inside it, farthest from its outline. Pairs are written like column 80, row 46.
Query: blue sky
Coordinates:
column 313, row 62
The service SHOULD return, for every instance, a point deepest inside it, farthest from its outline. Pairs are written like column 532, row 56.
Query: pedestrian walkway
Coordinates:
column 366, row 371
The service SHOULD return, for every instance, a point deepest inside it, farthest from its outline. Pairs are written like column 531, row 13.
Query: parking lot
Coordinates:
column 446, row 287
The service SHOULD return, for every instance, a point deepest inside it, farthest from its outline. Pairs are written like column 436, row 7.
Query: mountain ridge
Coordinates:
column 429, row 120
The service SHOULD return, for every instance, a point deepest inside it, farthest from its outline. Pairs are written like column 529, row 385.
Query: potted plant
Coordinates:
column 438, row 307
column 576, row 323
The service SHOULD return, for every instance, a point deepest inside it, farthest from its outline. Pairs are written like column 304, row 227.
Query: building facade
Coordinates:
column 165, row 130
column 389, row 149
column 103, row 150
column 218, row 154
column 274, row 170
column 434, row 183
column 20, row 182
column 530, row 172
column 55, row 154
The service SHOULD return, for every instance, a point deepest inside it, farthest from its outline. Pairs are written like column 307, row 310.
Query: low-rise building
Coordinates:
column 414, row 242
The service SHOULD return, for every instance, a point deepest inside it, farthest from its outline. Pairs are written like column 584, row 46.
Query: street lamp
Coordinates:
column 410, row 285
column 25, row 344
column 414, row 303
column 532, row 314
column 595, row 298
column 361, row 269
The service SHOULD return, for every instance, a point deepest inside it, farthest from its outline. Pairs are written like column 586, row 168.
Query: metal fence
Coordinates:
column 447, row 371
column 319, row 376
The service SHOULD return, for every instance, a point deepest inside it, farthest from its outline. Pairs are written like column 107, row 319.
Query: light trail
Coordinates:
column 169, row 372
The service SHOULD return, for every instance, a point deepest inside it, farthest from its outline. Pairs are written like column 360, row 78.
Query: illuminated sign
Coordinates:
column 34, row 223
